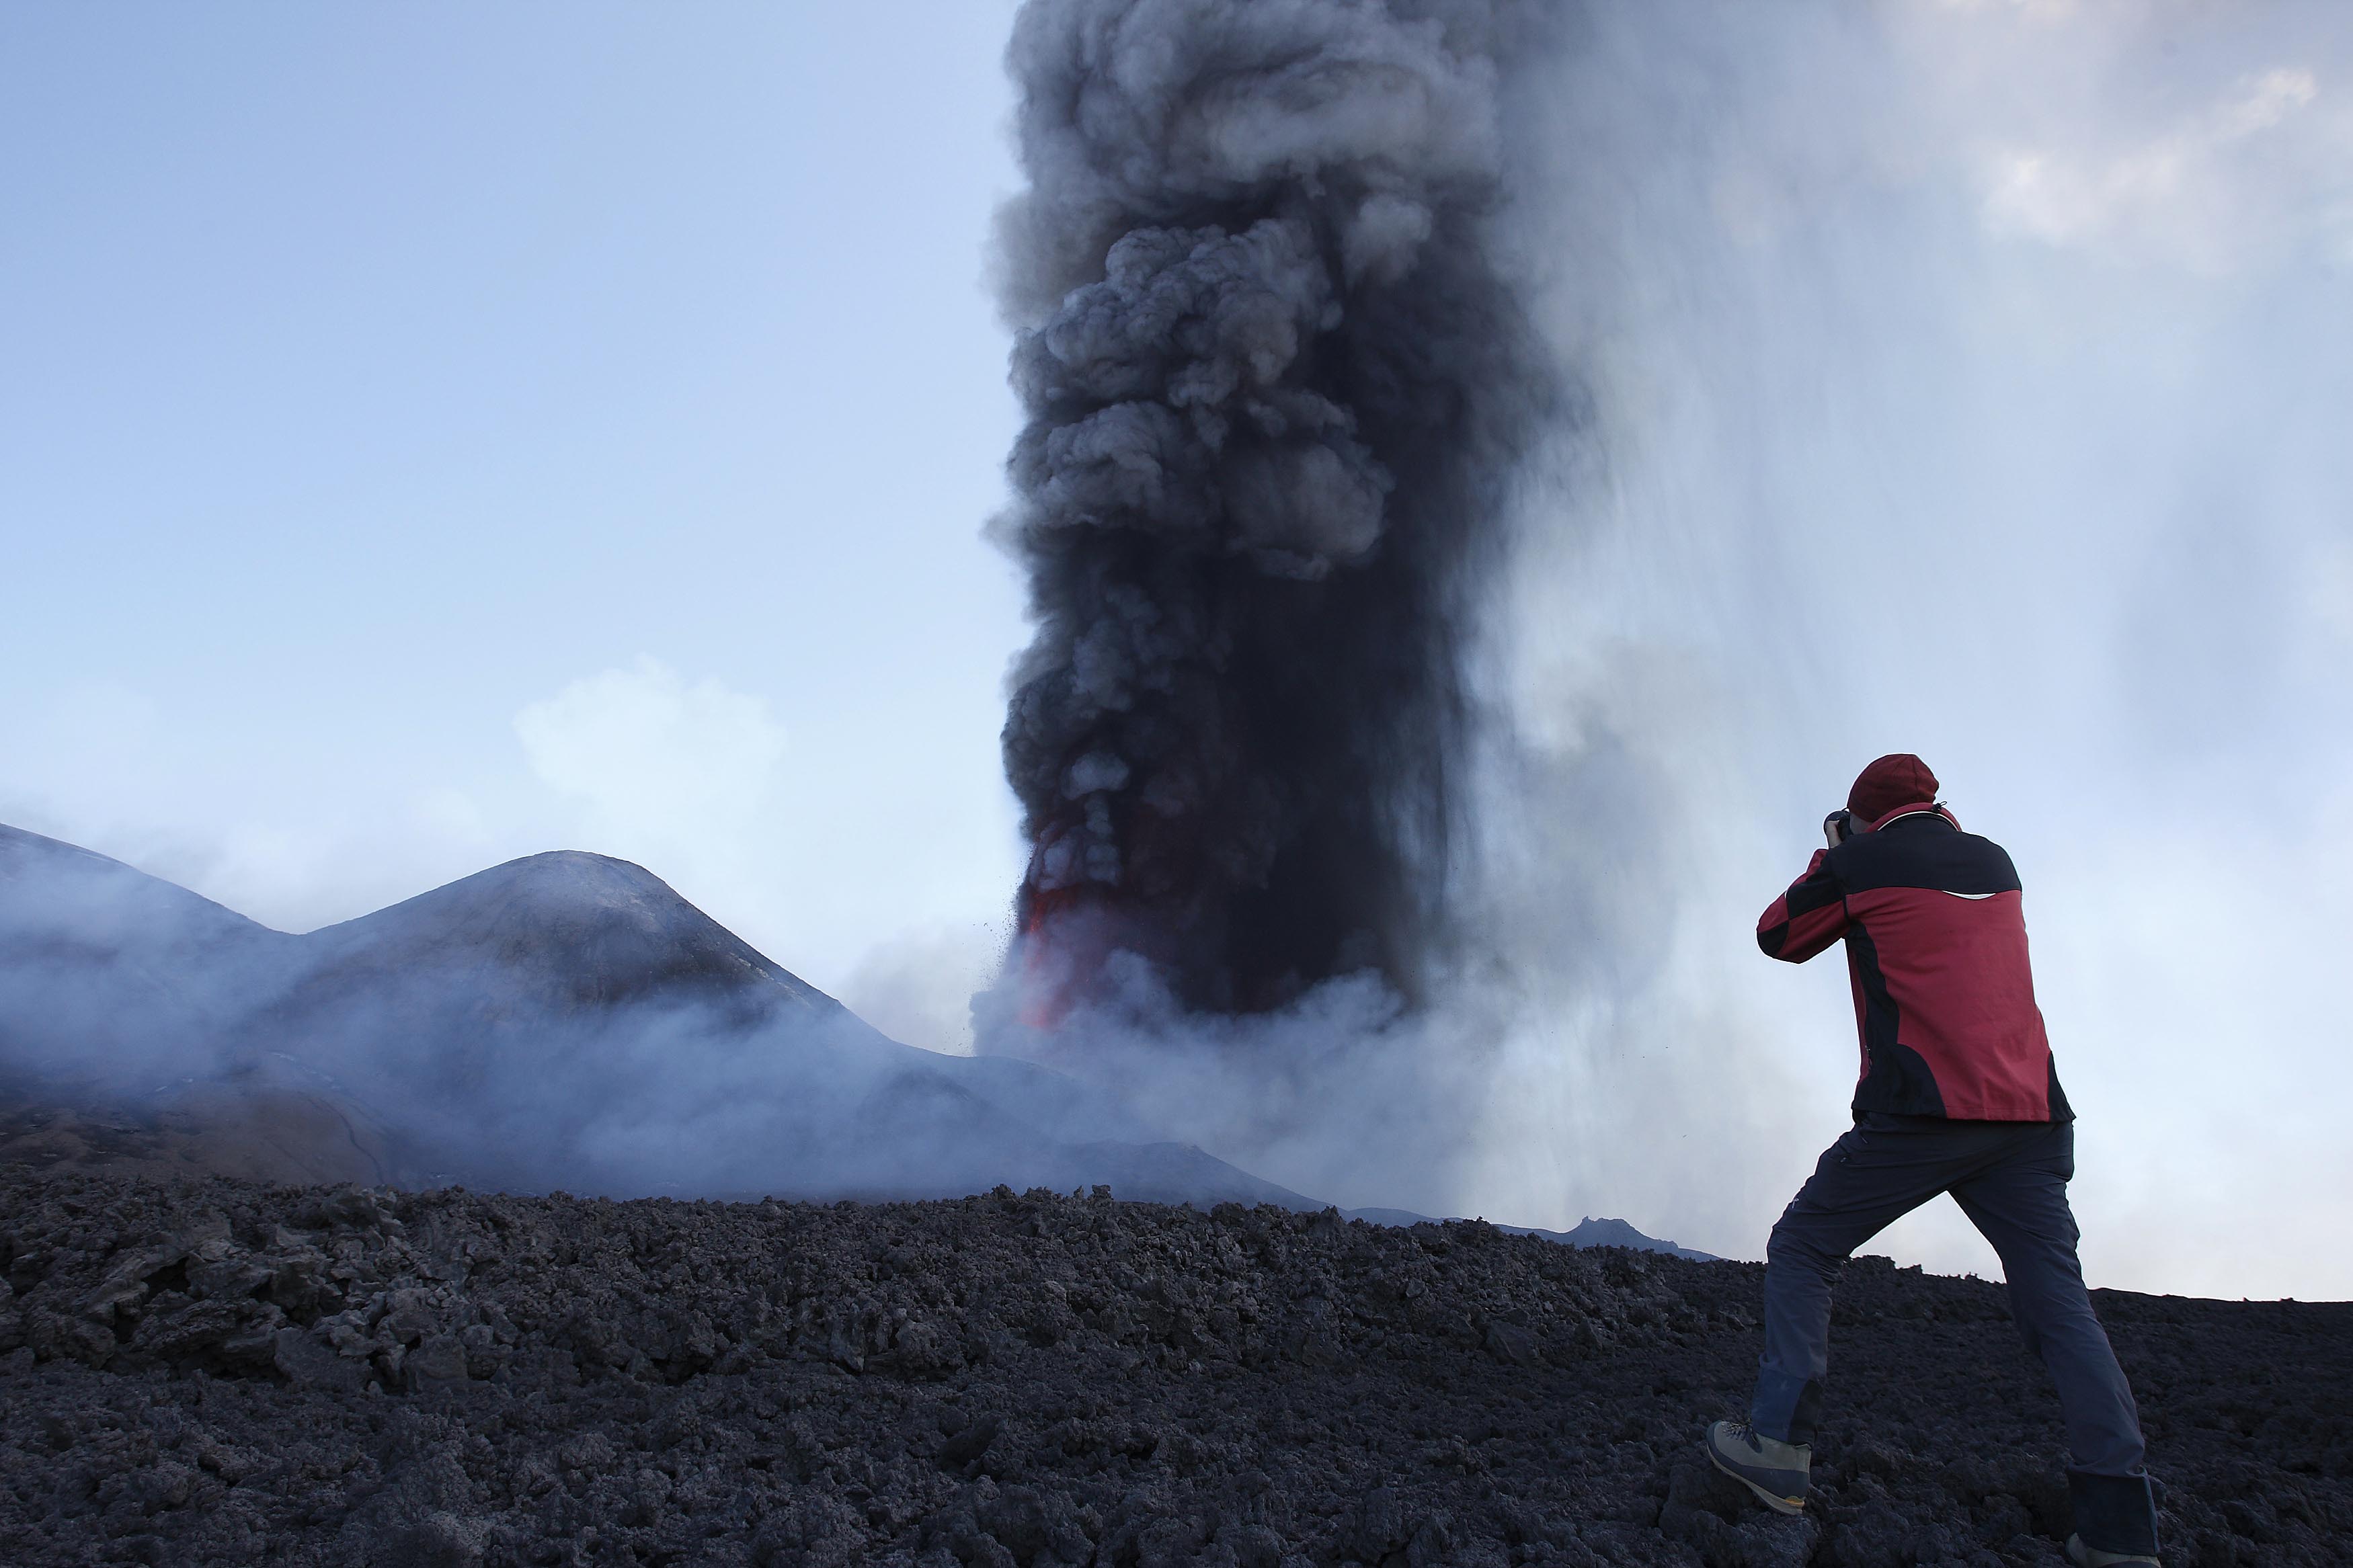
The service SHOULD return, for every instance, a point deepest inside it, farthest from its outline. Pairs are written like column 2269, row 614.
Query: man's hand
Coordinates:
column 1837, row 826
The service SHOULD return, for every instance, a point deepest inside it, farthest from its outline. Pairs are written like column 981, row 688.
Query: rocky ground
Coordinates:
column 220, row 1372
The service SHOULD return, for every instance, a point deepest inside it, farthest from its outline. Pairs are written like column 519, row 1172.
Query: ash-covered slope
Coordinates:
column 222, row 1373
column 66, row 902
column 562, row 1020
column 1588, row 1232
column 108, row 975
column 1591, row 1231
column 122, row 999
column 560, row 930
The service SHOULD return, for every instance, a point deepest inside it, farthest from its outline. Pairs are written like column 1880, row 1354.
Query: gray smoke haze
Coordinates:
column 1276, row 381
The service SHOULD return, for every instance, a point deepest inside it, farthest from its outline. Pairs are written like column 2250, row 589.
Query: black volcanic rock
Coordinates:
column 218, row 1371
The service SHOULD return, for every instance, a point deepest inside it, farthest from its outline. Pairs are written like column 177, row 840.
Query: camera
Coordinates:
column 1838, row 827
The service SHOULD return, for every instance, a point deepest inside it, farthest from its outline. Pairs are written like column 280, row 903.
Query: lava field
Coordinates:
column 218, row 1372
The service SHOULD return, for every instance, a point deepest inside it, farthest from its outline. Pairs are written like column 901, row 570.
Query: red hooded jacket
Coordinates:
column 1935, row 947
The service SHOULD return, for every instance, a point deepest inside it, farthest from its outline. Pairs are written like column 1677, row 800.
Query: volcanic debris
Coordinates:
column 218, row 1371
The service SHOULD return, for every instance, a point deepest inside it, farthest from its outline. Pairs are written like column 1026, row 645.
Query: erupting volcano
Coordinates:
column 1277, row 383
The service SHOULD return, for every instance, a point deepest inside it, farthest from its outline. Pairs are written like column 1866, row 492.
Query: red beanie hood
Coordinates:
column 1899, row 779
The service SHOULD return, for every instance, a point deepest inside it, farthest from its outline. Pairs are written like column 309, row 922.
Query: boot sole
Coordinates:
column 1774, row 1500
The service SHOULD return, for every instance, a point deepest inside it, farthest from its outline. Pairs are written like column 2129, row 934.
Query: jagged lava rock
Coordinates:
column 219, row 1372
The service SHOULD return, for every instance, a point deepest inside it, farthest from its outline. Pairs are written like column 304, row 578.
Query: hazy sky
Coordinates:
column 1969, row 379
column 435, row 435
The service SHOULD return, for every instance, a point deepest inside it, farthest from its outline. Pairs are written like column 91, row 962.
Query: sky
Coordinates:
column 431, row 436
column 436, row 436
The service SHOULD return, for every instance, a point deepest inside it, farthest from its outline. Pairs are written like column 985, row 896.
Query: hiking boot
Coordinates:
column 1775, row 1471
column 2085, row 1556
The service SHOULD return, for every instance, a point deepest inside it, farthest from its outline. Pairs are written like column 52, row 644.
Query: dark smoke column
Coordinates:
column 1275, row 385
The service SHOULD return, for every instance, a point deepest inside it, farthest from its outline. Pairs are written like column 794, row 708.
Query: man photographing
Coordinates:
column 1958, row 1094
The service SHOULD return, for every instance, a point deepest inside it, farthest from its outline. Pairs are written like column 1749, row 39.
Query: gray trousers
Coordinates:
column 2010, row 1178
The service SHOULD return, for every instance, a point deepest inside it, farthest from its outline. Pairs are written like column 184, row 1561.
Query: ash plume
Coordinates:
column 1277, row 378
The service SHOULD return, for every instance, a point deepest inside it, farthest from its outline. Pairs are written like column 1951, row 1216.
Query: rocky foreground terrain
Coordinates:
column 214, row 1370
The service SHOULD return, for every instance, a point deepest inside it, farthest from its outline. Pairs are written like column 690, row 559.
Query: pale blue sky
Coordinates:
column 373, row 372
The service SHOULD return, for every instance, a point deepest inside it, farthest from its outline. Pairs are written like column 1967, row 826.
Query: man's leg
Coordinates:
column 1872, row 1176
column 2020, row 1205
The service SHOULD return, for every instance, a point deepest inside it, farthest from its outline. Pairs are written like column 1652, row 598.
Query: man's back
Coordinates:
column 1936, row 942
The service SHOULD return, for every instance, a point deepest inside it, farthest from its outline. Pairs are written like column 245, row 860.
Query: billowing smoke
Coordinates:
column 1277, row 379
column 1963, row 379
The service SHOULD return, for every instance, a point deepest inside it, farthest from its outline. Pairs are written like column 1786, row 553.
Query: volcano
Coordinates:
column 564, row 1020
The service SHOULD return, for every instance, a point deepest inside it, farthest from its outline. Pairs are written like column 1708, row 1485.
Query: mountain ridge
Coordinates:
column 499, row 1030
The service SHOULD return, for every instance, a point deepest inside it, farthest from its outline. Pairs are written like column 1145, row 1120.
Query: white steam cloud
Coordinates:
column 655, row 760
